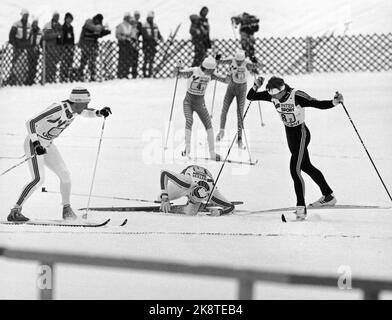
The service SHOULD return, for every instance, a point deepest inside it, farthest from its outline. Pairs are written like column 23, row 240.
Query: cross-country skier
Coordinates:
column 198, row 79
column 290, row 104
column 195, row 183
column 39, row 143
column 239, row 67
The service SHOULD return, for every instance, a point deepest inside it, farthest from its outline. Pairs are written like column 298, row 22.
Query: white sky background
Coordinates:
column 278, row 17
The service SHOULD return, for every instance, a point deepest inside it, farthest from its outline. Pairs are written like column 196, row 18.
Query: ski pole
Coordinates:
column 261, row 115
column 102, row 196
column 213, row 99
column 17, row 165
column 95, row 168
column 171, row 113
column 371, row 160
column 246, row 140
column 227, row 155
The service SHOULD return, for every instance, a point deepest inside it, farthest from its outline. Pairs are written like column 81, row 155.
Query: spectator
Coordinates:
column 52, row 39
column 92, row 30
column 197, row 40
column 134, row 47
column 200, row 32
column 123, row 35
column 249, row 25
column 33, row 51
column 68, row 52
column 18, row 38
column 139, row 28
column 151, row 36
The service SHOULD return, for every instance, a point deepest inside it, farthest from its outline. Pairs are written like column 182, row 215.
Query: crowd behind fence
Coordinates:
column 283, row 56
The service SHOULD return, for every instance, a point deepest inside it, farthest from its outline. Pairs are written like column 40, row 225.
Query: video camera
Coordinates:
column 248, row 23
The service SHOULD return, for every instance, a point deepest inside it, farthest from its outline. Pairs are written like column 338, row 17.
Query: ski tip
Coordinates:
column 124, row 223
column 283, row 218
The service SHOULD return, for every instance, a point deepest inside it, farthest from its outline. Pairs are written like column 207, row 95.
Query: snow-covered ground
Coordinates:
column 279, row 18
column 129, row 165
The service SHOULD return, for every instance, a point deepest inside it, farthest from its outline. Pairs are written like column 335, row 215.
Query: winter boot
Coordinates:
column 300, row 213
column 68, row 213
column 16, row 215
column 324, row 201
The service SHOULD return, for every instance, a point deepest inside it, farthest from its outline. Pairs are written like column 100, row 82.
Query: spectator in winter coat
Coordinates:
column 200, row 32
column 151, row 36
column 18, row 38
column 33, row 51
column 52, row 40
column 67, row 55
column 249, row 25
column 92, row 30
column 126, row 34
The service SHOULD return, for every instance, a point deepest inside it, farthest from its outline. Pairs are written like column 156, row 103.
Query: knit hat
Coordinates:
column 24, row 11
column 209, row 63
column 275, row 85
column 80, row 94
column 68, row 15
column 239, row 55
column 98, row 17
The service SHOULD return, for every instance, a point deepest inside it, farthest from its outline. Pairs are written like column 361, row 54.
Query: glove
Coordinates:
column 39, row 150
column 179, row 64
column 215, row 212
column 218, row 56
column 338, row 98
column 105, row 112
column 165, row 203
column 258, row 83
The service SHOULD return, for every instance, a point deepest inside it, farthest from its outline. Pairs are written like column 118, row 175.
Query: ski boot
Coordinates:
column 300, row 213
column 68, row 213
column 16, row 215
column 324, row 201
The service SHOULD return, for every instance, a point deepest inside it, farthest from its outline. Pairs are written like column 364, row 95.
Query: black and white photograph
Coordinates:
column 195, row 151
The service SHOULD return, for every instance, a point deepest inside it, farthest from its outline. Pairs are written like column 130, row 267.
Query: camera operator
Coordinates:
column 249, row 25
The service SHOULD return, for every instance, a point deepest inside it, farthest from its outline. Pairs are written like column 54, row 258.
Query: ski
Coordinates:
column 168, row 44
column 250, row 163
column 146, row 208
column 59, row 223
column 337, row 206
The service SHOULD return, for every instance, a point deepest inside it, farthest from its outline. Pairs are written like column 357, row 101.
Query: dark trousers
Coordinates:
column 32, row 58
column 124, row 59
column 52, row 58
column 89, row 57
column 18, row 67
column 134, row 61
column 248, row 44
column 67, row 57
column 200, row 53
column 149, row 55
column 298, row 139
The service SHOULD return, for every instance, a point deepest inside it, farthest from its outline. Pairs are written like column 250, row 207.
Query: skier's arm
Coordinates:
column 220, row 78
column 93, row 113
column 304, row 100
column 254, row 95
column 186, row 73
column 220, row 200
column 179, row 179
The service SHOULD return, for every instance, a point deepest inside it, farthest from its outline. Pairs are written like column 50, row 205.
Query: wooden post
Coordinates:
column 3, row 52
column 43, row 80
column 309, row 55
column 370, row 294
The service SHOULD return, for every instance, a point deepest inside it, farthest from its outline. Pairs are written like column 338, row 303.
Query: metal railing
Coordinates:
column 246, row 278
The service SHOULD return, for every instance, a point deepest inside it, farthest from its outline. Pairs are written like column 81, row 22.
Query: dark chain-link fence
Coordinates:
column 106, row 60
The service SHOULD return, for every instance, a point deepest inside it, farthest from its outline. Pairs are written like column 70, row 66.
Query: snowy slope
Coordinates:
column 129, row 165
column 278, row 17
